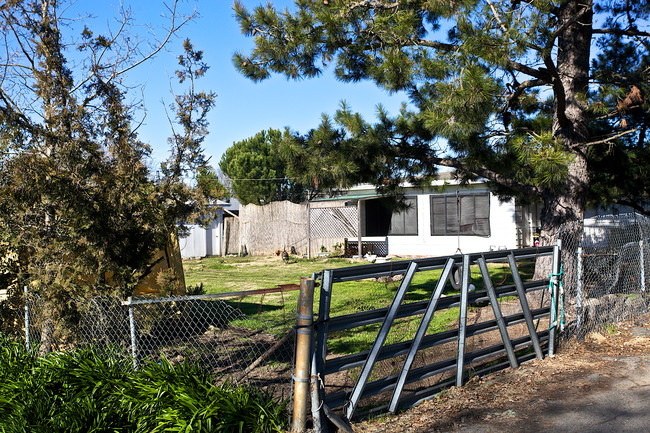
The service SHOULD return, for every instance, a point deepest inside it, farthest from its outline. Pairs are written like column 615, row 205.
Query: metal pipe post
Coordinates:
column 579, row 303
column 323, row 320
column 27, row 343
column 642, row 265
column 134, row 347
column 555, row 283
column 462, row 321
column 302, row 374
column 359, row 240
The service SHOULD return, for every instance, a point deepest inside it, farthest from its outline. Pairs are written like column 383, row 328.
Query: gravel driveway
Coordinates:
column 599, row 385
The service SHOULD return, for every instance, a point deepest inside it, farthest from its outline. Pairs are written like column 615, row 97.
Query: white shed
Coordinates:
column 208, row 241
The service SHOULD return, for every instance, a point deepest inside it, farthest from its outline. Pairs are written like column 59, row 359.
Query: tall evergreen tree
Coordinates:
column 80, row 212
column 186, row 159
column 257, row 171
column 506, row 90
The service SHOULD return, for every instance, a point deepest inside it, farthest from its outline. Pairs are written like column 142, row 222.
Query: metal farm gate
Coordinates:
column 499, row 325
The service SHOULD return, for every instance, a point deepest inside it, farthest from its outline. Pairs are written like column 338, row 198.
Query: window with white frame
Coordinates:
column 463, row 214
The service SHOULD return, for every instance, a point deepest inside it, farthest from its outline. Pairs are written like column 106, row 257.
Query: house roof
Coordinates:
column 367, row 191
column 232, row 204
column 352, row 196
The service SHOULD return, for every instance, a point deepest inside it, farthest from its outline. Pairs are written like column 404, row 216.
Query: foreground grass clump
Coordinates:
column 87, row 390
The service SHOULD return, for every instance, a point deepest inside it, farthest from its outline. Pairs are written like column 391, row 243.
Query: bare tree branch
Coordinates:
column 174, row 27
column 521, row 87
column 375, row 4
column 497, row 17
column 637, row 207
column 97, row 61
column 620, row 32
column 434, row 44
column 540, row 73
column 613, row 137
column 172, row 30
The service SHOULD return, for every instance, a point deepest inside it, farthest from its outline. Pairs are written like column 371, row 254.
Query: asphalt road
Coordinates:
column 617, row 401
column 600, row 385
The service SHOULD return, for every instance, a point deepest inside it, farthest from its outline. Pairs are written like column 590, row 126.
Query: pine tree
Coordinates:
column 257, row 170
column 505, row 90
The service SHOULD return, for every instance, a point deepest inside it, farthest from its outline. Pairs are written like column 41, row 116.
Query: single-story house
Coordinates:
column 445, row 218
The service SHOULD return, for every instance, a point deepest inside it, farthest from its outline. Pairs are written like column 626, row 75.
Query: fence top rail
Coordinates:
column 241, row 294
column 352, row 273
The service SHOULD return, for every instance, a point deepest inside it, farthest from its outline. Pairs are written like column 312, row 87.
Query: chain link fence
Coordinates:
column 243, row 337
column 22, row 316
column 248, row 337
column 605, row 272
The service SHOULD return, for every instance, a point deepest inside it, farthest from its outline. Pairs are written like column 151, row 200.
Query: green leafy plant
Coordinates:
column 611, row 329
column 93, row 390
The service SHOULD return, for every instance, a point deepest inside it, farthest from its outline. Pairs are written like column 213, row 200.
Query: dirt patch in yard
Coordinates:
column 601, row 384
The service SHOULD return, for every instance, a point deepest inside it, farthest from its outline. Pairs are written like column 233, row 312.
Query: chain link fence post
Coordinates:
column 27, row 341
column 642, row 267
column 134, row 347
column 579, row 300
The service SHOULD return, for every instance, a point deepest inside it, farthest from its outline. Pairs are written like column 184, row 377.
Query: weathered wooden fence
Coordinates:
column 302, row 228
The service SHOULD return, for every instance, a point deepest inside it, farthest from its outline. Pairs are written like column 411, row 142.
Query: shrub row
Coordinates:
column 90, row 390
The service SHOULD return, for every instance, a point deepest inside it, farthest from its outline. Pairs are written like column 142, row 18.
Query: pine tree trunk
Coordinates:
column 558, row 212
column 571, row 80
column 568, row 205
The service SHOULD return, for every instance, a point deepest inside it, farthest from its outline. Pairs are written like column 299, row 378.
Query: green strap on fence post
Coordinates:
column 551, row 278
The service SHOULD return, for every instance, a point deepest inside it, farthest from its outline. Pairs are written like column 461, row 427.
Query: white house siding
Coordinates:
column 503, row 231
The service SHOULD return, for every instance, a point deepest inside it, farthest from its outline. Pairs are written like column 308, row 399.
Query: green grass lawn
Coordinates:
column 231, row 274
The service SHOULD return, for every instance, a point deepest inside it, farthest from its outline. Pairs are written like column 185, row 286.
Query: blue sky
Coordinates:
column 243, row 108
